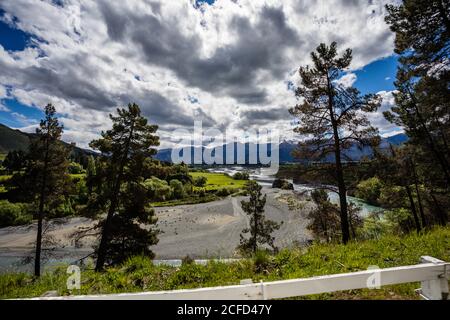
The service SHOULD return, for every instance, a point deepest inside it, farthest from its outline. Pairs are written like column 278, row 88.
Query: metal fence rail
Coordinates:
column 432, row 273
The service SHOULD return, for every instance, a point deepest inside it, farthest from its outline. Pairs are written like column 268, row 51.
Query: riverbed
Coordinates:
column 202, row 231
column 267, row 180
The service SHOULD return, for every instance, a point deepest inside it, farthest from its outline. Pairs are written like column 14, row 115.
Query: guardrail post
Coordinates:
column 435, row 289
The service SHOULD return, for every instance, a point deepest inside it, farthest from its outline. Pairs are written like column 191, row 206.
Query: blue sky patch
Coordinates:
column 12, row 39
column 377, row 76
column 20, row 114
column 199, row 2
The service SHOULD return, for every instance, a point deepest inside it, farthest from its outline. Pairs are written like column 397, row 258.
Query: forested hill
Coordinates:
column 13, row 139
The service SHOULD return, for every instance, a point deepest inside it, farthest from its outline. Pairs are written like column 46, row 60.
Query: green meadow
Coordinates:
column 217, row 181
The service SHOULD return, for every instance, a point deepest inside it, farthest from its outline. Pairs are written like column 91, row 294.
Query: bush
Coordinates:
column 241, row 176
column 263, row 261
column 282, row 184
column 390, row 222
column 369, row 190
column 178, row 191
column 187, row 260
column 200, row 192
column 82, row 192
column 223, row 192
column 159, row 189
column 76, row 168
column 13, row 214
column 200, row 181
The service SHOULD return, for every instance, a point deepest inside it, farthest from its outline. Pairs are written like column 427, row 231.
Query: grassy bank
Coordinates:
column 185, row 201
column 139, row 274
column 217, row 181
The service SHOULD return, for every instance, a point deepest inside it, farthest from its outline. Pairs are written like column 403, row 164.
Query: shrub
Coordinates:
column 75, row 168
column 263, row 261
column 200, row 181
column 178, row 191
column 241, row 176
column 282, row 184
column 187, row 260
column 222, row 192
column 159, row 189
column 13, row 214
column 390, row 222
column 369, row 190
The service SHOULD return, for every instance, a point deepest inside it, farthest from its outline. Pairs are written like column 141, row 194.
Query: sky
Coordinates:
column 231, row 63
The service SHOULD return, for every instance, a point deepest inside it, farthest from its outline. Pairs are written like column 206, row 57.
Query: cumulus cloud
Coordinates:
column 3, row 92
column 347, row 80
column 377, row 119
column 234, row 57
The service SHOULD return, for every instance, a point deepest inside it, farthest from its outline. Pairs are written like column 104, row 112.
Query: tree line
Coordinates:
column 335, row 117
column 123, row 179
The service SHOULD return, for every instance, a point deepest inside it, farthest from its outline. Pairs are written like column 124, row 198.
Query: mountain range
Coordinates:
column 287, row 147
column 13, row 139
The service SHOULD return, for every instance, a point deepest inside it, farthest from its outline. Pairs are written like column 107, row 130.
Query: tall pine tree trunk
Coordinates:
column 442, row 214
column 419, row 199
column 37, row 258
column 342, row 194
column 339, row 171
column 255, row 237
column 413, row 207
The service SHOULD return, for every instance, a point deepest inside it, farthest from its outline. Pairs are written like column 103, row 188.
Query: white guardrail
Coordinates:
column 431, row 272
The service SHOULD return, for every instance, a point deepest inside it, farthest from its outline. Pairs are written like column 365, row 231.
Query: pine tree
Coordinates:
column 332, row 116
column 14, row 161
column 422, row 99
column 324, row 219
column 123, row 195
column 90, row 174
column 260, row 228
column 45, row 180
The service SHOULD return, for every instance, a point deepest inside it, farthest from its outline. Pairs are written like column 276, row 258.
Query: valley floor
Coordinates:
column 140, row 274
column 206, row 230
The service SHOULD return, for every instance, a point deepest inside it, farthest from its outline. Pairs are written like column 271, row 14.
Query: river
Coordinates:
column 267, row 180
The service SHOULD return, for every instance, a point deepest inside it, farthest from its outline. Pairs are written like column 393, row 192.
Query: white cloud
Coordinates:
column 347, row 80
column 90, row 57
column 4, row 108
column 3, row 92
column 30, row 128
column 377, row 119
column 22, row 118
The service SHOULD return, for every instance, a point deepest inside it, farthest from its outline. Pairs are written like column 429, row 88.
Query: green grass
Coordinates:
column 77, row 175
column 139, row 274
column 216, row 181
column 2, row 156
column 3, row 179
